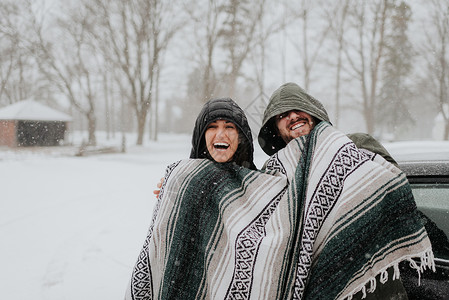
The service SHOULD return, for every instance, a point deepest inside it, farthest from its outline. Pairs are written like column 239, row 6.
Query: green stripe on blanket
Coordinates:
column 321, row 222
column 196, row 226
column 388, row 223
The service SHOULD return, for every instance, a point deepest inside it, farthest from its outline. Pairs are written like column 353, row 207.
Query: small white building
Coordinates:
column 30, row 123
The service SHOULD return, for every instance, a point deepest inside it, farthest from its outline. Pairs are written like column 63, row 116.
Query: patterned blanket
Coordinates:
column 320, row 222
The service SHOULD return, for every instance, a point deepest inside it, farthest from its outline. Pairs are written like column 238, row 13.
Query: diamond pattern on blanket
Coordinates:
column 247, row 245
column 346, row 160
column 141, row 282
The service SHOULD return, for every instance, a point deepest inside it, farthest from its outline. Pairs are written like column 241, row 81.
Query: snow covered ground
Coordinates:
column 71, row 227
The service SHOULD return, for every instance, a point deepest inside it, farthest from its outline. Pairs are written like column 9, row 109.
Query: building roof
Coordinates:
column 31, row 110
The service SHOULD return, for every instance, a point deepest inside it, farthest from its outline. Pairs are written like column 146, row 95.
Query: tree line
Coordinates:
column 150, row 64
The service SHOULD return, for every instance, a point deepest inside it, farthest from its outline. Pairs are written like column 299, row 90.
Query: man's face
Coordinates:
column 293, row 124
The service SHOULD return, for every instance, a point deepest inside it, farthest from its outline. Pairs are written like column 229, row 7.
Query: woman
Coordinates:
column 222, row 143
column 222, row 134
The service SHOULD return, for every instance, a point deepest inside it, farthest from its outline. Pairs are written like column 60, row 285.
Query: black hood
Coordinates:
column 224, row 109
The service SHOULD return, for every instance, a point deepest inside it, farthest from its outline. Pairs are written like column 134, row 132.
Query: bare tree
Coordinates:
column 205, row 16
column 436, row 53
column 394, row 114
column 134, row 34
column 72, row 65
column 365, row 51
column 226, row 34
column 238, row 35
column 337, row 15
column 258, row 56
column 18, row 79
column 273, row 21
column 8, row 44
column 312, row 35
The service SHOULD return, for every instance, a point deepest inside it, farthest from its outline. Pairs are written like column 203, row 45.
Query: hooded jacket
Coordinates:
column 224, row 109
column 290, row 96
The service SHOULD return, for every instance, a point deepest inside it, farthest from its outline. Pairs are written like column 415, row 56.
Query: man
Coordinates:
column 292, row 113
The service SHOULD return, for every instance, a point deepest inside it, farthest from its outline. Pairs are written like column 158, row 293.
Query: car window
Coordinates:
column 433, row 201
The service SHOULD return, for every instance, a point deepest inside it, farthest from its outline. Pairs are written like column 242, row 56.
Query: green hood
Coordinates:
column 287, row 97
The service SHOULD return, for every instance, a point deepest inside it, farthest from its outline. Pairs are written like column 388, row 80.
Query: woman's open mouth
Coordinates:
column 221, row 146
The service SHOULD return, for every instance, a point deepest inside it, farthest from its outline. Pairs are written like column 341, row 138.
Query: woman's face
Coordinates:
column 222, row 140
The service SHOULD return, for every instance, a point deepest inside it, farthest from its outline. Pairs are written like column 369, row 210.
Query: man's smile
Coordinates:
column 293, row 124
column 299, row 123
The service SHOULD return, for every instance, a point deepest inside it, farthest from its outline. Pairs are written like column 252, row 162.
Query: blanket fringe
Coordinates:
column 427, row 260
column 397, row 273
column 384, row 276
column 373, row 285
column 420, row 263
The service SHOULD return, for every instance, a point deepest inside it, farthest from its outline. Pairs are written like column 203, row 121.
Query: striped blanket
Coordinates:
column 320, row 222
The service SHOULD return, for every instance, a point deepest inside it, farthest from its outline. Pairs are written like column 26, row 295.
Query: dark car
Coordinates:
column 428, row 174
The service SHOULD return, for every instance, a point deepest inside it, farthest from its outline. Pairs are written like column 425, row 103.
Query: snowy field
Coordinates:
column 71, row 227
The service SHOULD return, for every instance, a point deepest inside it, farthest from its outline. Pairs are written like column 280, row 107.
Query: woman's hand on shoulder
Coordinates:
column 158, row 190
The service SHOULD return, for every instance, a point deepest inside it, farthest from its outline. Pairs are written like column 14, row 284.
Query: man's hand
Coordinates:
column 159, row 185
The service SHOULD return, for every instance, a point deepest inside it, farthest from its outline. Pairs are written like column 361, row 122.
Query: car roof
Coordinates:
column 425, row 168
column 419, row 150
column 422, row 160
